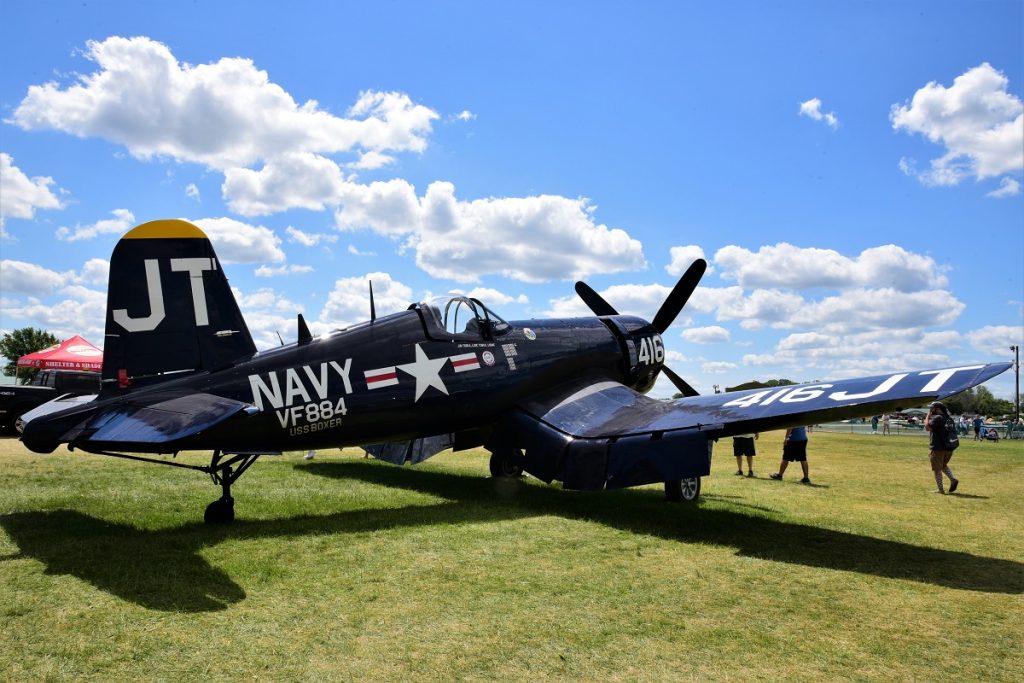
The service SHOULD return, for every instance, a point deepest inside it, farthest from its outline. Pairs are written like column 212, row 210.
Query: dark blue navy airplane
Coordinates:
column 562, row 399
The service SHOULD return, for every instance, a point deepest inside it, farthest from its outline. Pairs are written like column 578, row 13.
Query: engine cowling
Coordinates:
column 643, row 351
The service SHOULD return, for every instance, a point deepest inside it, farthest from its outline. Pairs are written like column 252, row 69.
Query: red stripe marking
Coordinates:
column 468, row 361
column 381, row 377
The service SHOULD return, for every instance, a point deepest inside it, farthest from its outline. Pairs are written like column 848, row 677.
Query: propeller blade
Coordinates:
column 680, row 383
column 593, row 300
column 678, row 297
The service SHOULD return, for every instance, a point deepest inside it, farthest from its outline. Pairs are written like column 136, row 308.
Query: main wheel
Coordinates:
column 221, row 511
column 14, row 425
column 505, row 464
column 682, row 490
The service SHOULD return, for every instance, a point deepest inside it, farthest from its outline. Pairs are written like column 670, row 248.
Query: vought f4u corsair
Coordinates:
column 562, row 399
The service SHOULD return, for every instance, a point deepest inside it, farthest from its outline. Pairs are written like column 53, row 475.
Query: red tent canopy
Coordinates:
column 70, row 354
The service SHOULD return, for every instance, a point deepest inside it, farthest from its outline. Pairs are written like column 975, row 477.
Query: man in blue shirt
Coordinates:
column 794, row 449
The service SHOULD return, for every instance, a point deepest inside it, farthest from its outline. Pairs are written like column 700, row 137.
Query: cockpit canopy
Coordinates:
column 460, row 316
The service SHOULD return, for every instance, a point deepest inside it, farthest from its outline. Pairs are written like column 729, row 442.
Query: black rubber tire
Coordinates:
column 682, row 490
column 221, row 511
column 504, row 464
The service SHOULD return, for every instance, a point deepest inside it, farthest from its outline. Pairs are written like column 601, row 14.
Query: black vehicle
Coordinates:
column 18, row 399
column 561, row 399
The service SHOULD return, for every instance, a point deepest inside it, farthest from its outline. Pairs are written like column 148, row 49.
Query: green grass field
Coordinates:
column 342, row 568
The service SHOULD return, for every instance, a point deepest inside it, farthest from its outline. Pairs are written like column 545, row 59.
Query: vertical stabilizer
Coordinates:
column 169, row 307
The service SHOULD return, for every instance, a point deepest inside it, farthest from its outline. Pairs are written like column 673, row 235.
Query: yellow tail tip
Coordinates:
column 163, row 229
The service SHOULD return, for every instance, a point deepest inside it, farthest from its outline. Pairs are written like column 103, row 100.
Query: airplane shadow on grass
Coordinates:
column 164, row 570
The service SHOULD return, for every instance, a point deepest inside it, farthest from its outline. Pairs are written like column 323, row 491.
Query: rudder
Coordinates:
column 169, row 307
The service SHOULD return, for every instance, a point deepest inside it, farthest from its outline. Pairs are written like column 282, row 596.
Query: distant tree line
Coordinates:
column 20, row 342
column 978, row 401
column 754, row 384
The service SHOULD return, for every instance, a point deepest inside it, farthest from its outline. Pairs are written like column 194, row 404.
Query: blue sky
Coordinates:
column 852, row 171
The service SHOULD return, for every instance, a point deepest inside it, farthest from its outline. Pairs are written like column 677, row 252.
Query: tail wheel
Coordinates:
column 682, row 490
column 221, row 511
column 507, row 464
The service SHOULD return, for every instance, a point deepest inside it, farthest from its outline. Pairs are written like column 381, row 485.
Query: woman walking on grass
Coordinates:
column 938, row 423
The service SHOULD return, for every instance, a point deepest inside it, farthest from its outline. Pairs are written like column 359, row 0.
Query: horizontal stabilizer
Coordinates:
column 60, row 403
column 167, row 422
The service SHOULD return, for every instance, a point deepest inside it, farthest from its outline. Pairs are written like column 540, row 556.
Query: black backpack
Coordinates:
column 951, row 441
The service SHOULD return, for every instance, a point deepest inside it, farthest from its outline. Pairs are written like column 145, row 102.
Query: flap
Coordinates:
column 414, row 451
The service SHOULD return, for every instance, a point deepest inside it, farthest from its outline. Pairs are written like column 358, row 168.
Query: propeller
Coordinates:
column 681, row 384
column 665, row 316
column 593, row 300
column 679, row 295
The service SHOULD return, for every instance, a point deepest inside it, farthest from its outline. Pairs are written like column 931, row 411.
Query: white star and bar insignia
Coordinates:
column 427, row 371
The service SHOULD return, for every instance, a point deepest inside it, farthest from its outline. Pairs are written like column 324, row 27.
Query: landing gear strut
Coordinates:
column 224, row 473
column 682, row 490
column 507, row 463
column 222, row 510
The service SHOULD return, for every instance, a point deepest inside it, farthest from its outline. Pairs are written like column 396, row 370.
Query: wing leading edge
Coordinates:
column 601, row 434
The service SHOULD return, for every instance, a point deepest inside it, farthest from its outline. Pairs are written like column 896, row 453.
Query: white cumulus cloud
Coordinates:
column 997, row 339
column 121, row 223
column 716, row 367
column 532, row 239
column 980, row 124
column 29, row 278
column 492, row 297
column 713, row 334
column 21, row 195
column 291, row 180
column 349, row 302
column 226, row 114
column 1008, row 187
column 80, row 311
column 287, row 269
column 784, row 265
column 683, row 257
column 812, row 110
column 639, row 300
column 371, row 160
column 238, row 242
column 95, row 271
column 814, row 355
column 308, row 239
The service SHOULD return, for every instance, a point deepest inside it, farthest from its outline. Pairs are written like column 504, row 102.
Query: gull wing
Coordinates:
column 601, row 434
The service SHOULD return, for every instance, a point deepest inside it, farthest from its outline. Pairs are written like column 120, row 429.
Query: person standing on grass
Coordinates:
column 743, row 444
column 885, row 425
column 938, row 424
column 977, row 427
column 794, row 449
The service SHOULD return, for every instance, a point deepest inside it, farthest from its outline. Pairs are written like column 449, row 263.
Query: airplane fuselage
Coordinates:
column 401, row 378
